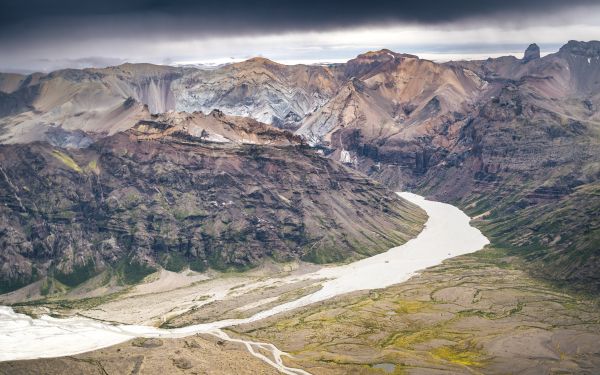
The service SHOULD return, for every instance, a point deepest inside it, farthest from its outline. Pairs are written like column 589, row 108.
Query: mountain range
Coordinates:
column 125, row 151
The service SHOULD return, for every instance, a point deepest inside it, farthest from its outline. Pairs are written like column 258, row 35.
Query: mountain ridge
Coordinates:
column 501, row 137
column 184, row 190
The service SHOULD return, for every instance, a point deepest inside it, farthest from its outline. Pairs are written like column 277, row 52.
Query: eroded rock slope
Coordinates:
column 183, row 190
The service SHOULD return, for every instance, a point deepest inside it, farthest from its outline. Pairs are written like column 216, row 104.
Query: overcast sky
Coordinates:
column 46, row 35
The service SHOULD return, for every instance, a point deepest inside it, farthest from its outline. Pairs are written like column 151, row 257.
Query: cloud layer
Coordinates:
column 45, row 35
column 226, row 16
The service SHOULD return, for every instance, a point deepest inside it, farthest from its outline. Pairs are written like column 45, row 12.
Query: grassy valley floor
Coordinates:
column 476, row 313
column 472, row 314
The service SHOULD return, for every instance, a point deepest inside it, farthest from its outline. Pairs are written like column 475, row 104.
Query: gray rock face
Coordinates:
column 531, row 53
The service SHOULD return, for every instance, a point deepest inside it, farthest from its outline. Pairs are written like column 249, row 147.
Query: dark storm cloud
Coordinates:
column 226, row 17
column 42, row 35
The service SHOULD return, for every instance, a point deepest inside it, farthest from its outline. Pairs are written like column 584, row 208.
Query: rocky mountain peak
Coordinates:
column 385, row 53
column 531, row 53
column 261, row 61
column 217, row 113
column 587, row 49
column 368, row 62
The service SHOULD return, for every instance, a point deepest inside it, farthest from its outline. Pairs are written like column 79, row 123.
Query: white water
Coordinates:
column 447, row 233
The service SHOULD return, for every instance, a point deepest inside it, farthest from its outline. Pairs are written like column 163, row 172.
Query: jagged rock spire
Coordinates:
column 531, row 53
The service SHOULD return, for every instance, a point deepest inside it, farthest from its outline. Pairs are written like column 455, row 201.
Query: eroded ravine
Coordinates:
column 447, row 233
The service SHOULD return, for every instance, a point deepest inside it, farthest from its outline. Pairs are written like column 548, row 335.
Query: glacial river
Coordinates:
column 447, row 234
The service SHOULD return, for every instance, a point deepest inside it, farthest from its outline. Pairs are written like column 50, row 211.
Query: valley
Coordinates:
column 246, row 214
column 447, row 232
column 476, row 313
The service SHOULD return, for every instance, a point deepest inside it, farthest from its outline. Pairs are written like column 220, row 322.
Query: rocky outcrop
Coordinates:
column 531, row 53
column 9, row 82
column 101, row 101
column 215, row 127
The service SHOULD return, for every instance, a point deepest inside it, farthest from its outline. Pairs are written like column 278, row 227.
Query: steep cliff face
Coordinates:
column 528, row 170
column 184, row 190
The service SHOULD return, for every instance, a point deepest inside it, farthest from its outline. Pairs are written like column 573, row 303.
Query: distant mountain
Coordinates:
column 281, row 95
column 106, row 100
column 390, row 97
